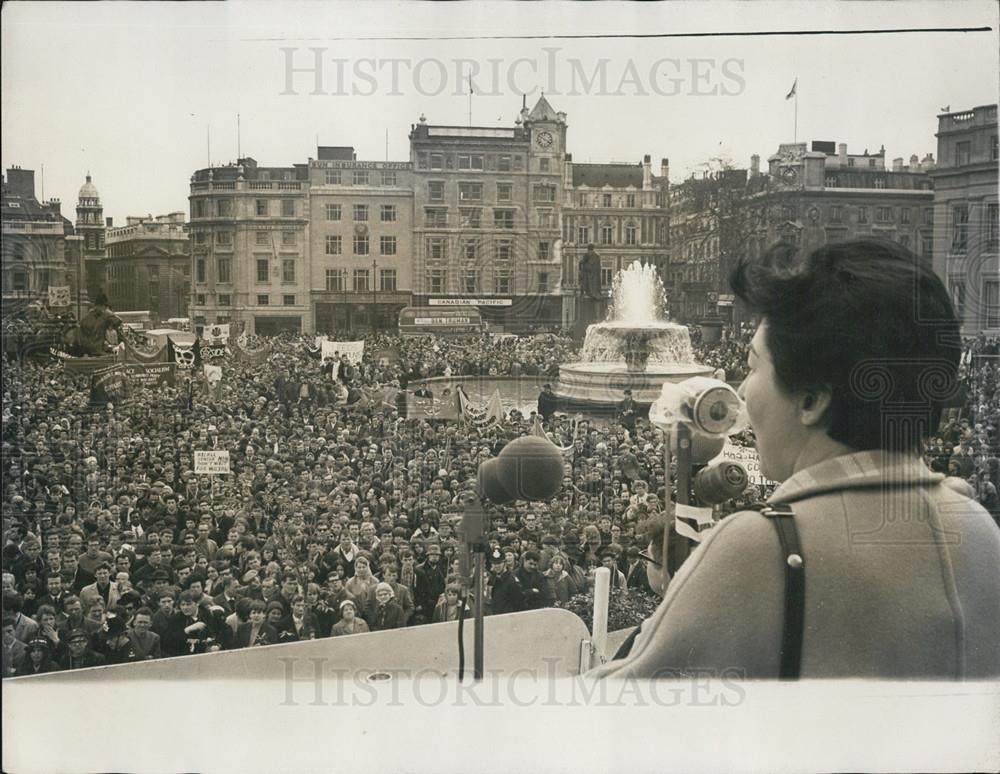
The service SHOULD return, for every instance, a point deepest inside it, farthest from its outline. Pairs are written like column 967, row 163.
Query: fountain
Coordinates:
column 635, row 348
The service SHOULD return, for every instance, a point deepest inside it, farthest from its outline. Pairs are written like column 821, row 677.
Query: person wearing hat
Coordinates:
column 431, row 578
column 79, row 654
column 388, row 614
column 349, row 622
column 36, row 660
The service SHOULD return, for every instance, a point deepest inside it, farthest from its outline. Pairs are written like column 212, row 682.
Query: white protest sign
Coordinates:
column 353, row 349
column 748, row 457
column 211, row 463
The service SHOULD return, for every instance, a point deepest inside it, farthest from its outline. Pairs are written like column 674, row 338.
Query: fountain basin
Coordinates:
column 603, row 384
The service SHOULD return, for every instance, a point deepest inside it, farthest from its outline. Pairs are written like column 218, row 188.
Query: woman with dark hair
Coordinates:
column 894, row 574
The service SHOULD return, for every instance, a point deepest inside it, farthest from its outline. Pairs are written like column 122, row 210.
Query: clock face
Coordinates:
column 544, row 139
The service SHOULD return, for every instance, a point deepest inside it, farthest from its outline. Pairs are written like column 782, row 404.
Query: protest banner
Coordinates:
column 215, row 334
column 150, row 374
column 211, row 462
column 108, row 385
column 354, row 350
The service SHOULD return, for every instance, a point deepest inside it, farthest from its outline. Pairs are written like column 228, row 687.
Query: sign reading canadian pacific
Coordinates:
column 470, row 302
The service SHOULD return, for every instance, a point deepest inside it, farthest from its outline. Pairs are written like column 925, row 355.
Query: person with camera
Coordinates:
column 864, row 563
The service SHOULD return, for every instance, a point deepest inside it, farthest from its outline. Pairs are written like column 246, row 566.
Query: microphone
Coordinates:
column 720, row 482
column 528, row 468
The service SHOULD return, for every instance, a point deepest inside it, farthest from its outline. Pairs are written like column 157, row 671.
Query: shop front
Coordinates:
column 358, row 312
column 510, row 314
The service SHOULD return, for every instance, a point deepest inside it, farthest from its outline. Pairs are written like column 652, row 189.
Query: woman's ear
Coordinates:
column 813, row 406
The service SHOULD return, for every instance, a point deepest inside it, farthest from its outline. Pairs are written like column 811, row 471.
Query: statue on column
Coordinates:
column 590, row 295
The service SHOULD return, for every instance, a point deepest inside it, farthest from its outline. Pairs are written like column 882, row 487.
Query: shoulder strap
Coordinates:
column 783, row 518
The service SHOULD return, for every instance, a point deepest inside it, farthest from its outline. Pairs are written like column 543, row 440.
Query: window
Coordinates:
column 224, row 269
column 470, row 192
column 435, row 217
column 836, row 213
column 926, row 245
column 360, row 212
column 336, row 280
column 502, row 280
column 437, row 161
column 263, row 299
column 904, row 240
column 470, row 161
column 361, row 280
column 630, row 200
column 288, row 270
column 436, row 249
column 991, row 291
column 543, row 251
column 904, row 215
column 995, row 152
column 830, row 181
column 543, row 282
column 199, row 237
column 288, row 300
column 225, row 299
column 963, row 153
column 630, row 234
column 928, row 216
column 200, row 208
column 223, row 237
column 958, row 298
column 583, row 235
column 359, row 177
column 387, row 280
column 607, row 234
column 607, row 275
column 199, row 299
column 387, row 245
column 606, row 200
column 470, row 280
column 518, row 163
column 543, row 165
column 288, row 238
column 334, row 244
column 546, row 219
column 262, row 238
column 470, row 217
column 387, row 213
column 261, row 205
column 503, row 219
column 435, row 191
column 388, row 177
column 992, row 227
column 288, row 208
column 789, row 212
column 505, row 250
column 871, row 163
column 505, row 192
column 850, row 162
column 503, row 163
column 880, row 182
column 883, row 214
column 960, row 228
column 333, row 177
column 333, row 212
column 436, row 280
column 223, row 208
column 262, row 270
column 361, row 244
column 199, row 270
column 862, row 214
column 545, row 193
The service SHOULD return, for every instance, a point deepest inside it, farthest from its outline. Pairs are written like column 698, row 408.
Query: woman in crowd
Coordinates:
column 388, row 614
column 349, row 622
column 893, row 573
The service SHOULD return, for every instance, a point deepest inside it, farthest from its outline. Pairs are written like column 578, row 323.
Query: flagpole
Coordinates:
column 470, row 101
column 795, row 131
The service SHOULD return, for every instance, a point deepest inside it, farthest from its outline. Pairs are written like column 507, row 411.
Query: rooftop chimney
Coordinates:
column 110, row 222
column 665, row 168
column 754, row 165
column 647, row 172
column 897, row 164
column 21, row 182
column 842, row 152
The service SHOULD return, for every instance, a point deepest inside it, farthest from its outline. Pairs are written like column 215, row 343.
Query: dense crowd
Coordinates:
column 339, row 516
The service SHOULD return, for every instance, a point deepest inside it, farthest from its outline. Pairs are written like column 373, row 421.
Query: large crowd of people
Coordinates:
column 340, row 515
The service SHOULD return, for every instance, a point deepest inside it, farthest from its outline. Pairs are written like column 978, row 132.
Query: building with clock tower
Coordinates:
column 486, row 217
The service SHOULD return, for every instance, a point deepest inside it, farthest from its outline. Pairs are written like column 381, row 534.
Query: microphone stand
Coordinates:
column 474, row 529
column 676, row 547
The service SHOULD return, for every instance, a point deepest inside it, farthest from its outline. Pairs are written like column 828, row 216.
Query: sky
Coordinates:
column 143, row 94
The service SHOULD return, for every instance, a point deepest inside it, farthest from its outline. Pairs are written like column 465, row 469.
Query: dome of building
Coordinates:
column 88, row 190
